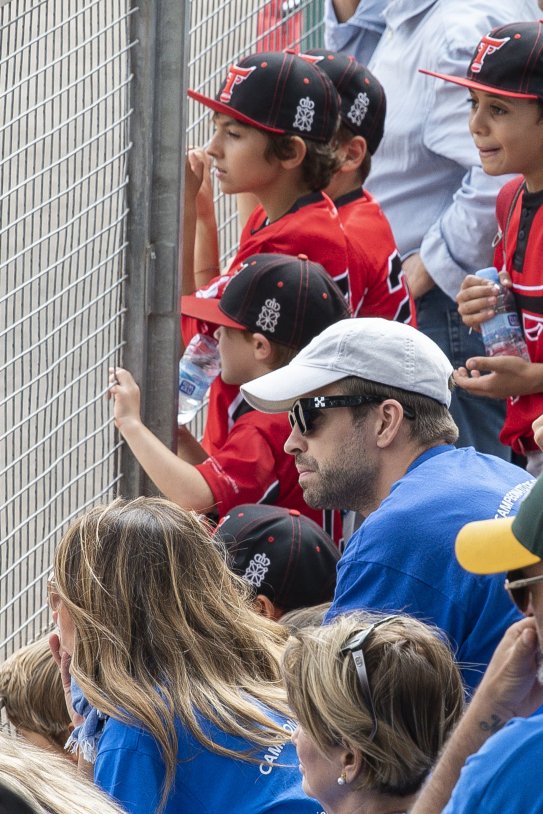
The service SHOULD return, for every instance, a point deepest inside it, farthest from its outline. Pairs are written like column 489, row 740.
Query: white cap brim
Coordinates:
column 277, row 391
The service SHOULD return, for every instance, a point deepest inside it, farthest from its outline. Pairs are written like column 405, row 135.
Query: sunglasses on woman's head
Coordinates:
column 355, row 646
column 518, row 588
column 304, row 412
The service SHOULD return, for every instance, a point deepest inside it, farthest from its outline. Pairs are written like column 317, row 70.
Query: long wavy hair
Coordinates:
column 163, row 629
column 415, row 685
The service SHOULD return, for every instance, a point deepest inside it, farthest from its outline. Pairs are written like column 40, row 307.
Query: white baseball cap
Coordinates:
column 371, row 348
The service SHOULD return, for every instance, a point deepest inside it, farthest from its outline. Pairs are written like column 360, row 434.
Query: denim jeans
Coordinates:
column 479, row 419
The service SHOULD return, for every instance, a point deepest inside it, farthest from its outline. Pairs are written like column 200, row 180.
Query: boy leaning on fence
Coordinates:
column 268, row 311
column 275, row 119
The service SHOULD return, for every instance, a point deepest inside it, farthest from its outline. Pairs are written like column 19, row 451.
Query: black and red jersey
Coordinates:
column 522, row 240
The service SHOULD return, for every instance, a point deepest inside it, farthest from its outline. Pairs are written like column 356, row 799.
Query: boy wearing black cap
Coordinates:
column 378, row 287
column 275, row 119
column 287, row 559
column 505, row 82
column 270, row 309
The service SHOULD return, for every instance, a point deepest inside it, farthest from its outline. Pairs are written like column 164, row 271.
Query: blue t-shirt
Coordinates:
column 129, row 767
column 402, row 556
column 505, row 774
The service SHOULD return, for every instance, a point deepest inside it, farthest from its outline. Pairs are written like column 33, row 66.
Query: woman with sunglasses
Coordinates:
column 375, row 698
column 166, row 647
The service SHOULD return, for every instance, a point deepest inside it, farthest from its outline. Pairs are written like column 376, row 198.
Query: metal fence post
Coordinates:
column 151, row 351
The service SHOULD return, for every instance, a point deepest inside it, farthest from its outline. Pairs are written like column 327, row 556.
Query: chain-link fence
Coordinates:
column 87, row 267
column 64, row 117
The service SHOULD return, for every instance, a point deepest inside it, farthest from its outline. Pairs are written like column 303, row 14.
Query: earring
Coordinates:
column 342, row 779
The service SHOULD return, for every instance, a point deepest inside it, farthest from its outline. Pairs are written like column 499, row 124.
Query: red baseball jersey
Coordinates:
column 523, row 243
column 311, row 227
column 378, row 286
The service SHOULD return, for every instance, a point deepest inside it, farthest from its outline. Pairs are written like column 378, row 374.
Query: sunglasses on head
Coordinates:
column 304, row 412
column 355, row 646
column 519, row 588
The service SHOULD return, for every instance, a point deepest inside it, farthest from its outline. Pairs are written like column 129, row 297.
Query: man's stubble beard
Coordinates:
column 351, row 484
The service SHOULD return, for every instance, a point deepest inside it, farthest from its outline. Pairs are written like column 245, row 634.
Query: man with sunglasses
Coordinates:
column 504, row 774
column 372, row 432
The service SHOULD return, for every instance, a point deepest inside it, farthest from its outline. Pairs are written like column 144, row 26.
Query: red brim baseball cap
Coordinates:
column 470, row 83
column 207, row 309
column 280, row 93
column 230, row 111
column 507, row 61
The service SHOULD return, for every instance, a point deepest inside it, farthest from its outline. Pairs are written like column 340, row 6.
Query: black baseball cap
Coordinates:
column 288, row 299
column 278, row 92
column 281, row 553
column 507, row 61
column 363, row 100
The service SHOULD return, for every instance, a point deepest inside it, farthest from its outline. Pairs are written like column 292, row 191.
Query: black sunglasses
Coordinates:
column 519, row 589
column 355, row 647
column 304, row 412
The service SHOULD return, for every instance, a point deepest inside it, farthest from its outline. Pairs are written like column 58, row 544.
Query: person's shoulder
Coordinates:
column 121, row 735
column 462, row 24
column 263, row 422
column 504, row 774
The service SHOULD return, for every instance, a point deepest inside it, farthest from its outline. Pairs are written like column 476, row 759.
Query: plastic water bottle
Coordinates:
column 198, row 366
column 502, row 334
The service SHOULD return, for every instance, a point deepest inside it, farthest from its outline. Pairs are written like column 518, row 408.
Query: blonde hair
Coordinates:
column 47, row 782
column 165, row 630
column 415, row 686
column 32, row 695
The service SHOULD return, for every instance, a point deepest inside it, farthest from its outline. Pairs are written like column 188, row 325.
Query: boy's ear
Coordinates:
column 262, row 348
column 354, row 153
column 298, row 153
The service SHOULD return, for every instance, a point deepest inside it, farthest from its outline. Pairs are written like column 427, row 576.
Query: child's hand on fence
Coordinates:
column 126, row 398
column 476, row 301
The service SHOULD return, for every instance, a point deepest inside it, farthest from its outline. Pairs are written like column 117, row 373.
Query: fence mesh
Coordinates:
column 65, row 95
column 64, row 115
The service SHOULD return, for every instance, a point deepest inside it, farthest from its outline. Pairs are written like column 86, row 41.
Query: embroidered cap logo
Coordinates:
column 257, row 569
column 305, row 113
column 236, row 75
column 269, row 315
column 487, row 46
column 358, row 111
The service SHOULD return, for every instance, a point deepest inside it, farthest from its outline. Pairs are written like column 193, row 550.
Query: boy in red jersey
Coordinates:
column 268, row 311
column 275, row 119
column 505, row 81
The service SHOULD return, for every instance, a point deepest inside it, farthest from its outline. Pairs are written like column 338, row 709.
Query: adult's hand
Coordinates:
column 63, row 661
column 418, row 279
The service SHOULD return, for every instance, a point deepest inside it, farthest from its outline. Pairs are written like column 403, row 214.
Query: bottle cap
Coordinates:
column 490, row 273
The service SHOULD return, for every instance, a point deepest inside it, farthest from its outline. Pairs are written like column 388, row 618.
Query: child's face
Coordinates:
column 237, row 357
column 238, row 157
column 509, row 136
